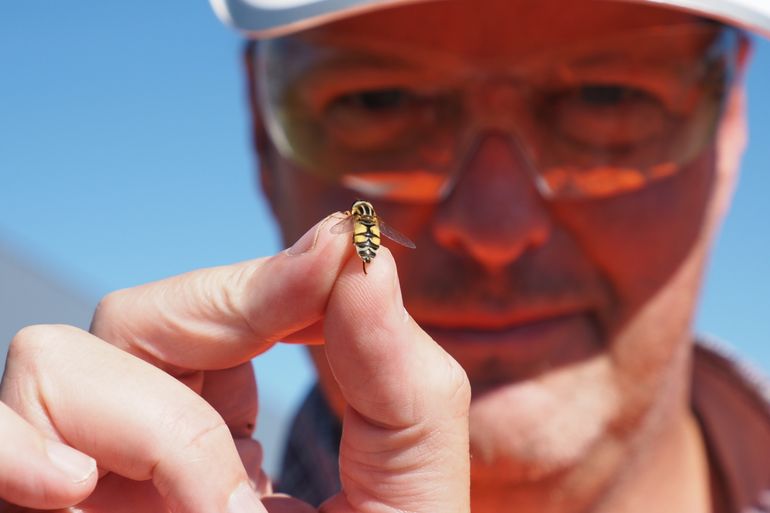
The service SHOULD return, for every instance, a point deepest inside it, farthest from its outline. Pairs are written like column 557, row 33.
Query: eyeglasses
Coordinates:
column 599, row 118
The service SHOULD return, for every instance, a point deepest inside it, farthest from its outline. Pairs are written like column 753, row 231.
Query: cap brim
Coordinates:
column 262, row 19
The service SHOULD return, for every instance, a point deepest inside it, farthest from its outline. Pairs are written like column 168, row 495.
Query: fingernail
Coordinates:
column 75, row 464
column 244, row 500
column 306, row 242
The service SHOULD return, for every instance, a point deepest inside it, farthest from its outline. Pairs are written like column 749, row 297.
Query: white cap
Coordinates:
column 270, row 18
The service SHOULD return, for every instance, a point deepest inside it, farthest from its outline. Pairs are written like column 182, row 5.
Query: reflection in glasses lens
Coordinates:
column 600, row 118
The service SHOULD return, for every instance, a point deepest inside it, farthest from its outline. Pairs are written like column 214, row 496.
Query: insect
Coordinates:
column 366, row 226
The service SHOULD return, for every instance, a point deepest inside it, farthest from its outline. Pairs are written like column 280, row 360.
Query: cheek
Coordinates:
column 639, row 240
column 650, row 246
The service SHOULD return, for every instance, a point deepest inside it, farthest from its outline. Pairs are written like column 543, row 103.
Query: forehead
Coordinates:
column 479, row 29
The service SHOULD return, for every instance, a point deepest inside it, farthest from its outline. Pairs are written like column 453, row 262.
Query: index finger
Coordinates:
column 217, row 318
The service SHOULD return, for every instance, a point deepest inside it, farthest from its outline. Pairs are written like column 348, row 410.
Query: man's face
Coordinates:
column 571, row 316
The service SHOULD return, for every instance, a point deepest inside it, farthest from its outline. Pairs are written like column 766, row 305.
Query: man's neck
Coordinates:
column 673, row 475
column 669, row 473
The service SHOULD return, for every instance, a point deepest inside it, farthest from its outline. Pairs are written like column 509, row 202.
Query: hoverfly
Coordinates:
column 366, row 226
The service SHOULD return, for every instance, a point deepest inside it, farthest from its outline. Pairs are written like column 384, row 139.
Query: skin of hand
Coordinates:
column 166, row 409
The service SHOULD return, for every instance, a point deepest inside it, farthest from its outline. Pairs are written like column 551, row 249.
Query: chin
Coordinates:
column 542, row 427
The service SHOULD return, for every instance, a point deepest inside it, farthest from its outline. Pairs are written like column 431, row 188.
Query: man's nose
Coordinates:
column 494, row 213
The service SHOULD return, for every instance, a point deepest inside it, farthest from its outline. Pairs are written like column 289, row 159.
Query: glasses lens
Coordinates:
column 599, row 118
column 634, row 114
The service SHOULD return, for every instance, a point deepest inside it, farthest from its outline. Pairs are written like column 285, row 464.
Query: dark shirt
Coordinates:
column 730, row 401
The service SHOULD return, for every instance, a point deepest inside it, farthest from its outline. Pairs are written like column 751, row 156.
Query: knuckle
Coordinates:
column 233, row 296
column 32, row 340
column 34, row 352
column 206, row 437
column 459, row 386
column 191, row 439
column 453, row 388
column 246, row 300
column 107, row 306
column 107, row 314
column 196, row 428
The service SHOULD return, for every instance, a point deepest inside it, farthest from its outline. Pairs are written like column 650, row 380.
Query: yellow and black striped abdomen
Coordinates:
column 366, row 237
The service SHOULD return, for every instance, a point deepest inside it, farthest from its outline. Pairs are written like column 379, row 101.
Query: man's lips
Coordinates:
column 496, row 352
column 483, row 321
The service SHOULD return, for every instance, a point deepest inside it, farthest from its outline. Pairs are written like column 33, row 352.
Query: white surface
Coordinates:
column 269, row 18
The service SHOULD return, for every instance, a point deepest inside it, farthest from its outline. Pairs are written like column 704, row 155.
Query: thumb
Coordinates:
column 405, row 433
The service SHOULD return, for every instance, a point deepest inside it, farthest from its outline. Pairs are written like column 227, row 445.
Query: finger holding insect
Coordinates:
column 346, row 223
column 404, row 443
column 220, row 317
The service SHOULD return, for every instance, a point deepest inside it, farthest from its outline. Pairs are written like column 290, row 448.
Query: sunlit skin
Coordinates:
column 572, row 318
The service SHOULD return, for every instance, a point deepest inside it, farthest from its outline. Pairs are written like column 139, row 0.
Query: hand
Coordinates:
column 163, row 445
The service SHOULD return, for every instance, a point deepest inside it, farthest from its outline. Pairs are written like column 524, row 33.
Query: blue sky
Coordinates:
column 124, row 158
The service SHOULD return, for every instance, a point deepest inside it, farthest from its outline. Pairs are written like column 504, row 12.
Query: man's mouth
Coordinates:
column 494, row 352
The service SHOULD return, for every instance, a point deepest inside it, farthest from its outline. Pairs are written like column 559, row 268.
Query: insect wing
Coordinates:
column 395, row 235
column 344, row 226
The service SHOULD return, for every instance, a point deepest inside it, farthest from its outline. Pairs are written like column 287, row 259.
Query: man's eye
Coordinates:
column 607, row 95
column 375, row 100
column 606, row 115
column 372, row 119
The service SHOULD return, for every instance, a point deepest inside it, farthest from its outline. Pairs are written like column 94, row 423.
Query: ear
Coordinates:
column 745, row 51
column 264, row 150
column 732, row 136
